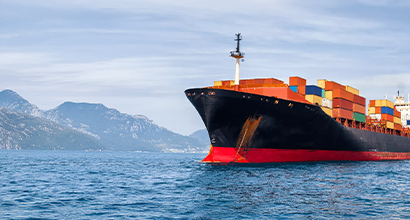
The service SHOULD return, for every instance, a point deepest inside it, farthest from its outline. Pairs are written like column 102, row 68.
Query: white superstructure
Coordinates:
column 404, row 108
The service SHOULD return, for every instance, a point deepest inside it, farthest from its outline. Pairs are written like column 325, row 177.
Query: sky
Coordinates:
column 139, row 56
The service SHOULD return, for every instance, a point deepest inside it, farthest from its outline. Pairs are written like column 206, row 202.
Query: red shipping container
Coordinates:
column 226, row 83
column 359, row 100
column 388, row 117
column 397, row 126
column 342, row 113
column 259, row 81
column 397, row 113
column 372, row 103
column 330, row 85
column 247, row 81
column 378, row 110
column 342, row 103
column 297, row 81
column 359, row 108
column 273, row 81
column 301, row 89
column 339, row 93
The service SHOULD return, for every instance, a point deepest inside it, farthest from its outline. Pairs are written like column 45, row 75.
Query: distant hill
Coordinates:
column 116, row 130
column 121, row 131
column 201, row 135
column 25, row 132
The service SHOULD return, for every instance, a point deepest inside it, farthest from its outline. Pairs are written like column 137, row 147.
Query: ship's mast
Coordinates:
column 237, row 54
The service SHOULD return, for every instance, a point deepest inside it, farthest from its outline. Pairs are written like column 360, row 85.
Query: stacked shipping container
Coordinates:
column 336, row 100
column 384, row 111
column 346, row 102
column 297, row 84
column 263, row 82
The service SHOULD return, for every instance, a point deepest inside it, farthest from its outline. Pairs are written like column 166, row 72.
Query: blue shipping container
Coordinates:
column 294, row 88
column 408, row 122
column 313, row 90
column 387, row 110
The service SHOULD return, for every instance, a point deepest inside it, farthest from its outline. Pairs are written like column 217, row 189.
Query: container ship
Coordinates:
column 267, row 121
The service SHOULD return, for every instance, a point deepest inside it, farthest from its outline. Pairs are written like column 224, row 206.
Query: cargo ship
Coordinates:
column 267, row 121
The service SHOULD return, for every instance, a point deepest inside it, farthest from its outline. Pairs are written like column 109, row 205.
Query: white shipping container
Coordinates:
column 376, row 116
column 326, row 103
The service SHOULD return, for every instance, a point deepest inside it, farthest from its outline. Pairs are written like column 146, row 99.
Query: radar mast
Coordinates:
column 237, row 54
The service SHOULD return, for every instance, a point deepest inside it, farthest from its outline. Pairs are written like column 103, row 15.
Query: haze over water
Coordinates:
column 101, row 185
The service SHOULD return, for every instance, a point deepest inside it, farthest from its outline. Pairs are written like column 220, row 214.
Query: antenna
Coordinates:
column 398, row 93
column 237, row 54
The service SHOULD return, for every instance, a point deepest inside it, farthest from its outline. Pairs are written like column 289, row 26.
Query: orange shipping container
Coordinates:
column 246, row 81
column 297, row 81
column 301, row 89
column 372, row 103
column 273, row 81
column 330, row 85
column 388, row 117
column 397, row 126
column 342, row 113
column 397, row 113
column 339, row 93
column 378, row 110
column 359, row 108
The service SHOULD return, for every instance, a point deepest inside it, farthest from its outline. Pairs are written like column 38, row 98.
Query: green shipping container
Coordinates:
column 323, row 93
column 359, row 117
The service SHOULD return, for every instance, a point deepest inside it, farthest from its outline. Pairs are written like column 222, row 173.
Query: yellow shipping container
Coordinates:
column 371, row 110
column 329, row 95
column 384, row 103
column 352, row 90
column 217, row 83
column 397, row 120
column 321, row 83
column 314, row 99
column 232, row 83
column 327, row 111
column 390, row 124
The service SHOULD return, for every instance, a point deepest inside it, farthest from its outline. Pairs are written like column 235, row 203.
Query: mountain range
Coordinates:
column 108, row 128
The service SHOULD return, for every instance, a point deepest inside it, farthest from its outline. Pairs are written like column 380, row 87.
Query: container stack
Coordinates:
column 342, row 102
column 384, row 111
column 314, row 95
column 359, row 107
column 262, row 82
column 345, row 101
column 327, row 104
column 397, row 120
column 297, row 84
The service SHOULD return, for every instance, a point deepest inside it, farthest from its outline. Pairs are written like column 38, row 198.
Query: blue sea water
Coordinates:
column 131, row 185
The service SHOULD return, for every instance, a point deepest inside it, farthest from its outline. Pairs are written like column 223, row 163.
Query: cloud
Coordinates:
column 139, row 56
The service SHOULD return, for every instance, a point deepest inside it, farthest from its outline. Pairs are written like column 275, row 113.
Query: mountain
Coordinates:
column 116, row 130
column 121, row 131
column 25, row 132
column 13, row 101
column 201, row 135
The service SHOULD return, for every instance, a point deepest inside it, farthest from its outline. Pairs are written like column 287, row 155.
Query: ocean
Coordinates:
column 134, row 185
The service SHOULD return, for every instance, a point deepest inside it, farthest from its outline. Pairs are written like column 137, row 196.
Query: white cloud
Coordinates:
column 139, row 56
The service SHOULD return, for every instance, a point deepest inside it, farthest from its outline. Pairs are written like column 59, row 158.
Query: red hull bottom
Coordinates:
column 256, row 155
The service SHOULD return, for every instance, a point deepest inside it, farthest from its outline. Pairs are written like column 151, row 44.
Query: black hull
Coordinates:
column 283, row 124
